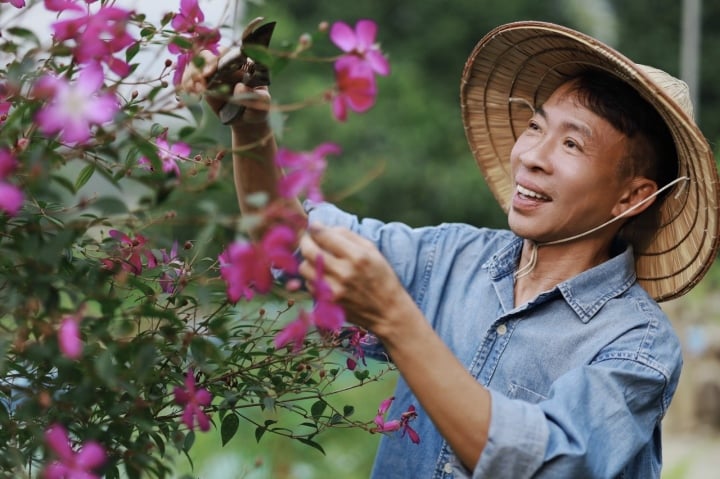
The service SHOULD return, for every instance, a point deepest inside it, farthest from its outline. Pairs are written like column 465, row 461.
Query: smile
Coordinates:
column 531, row 194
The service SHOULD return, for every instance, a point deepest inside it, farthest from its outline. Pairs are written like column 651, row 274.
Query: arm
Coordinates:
column 253, row 142
column 597, row 419
column 364, row 283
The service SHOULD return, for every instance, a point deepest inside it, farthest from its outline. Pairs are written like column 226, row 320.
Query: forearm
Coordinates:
column 254, row 170
column 457, row 404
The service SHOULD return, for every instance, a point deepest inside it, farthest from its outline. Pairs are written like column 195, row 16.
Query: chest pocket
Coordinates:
column 516, row 391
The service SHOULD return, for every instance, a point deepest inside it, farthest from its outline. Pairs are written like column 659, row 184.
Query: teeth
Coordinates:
column 525, row 192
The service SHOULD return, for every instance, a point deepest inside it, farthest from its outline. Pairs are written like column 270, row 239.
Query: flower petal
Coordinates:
column 11, row 198
column 343, row 36
column 69, row 337
column 57, row 438
column 91, row 455
column 365, row 31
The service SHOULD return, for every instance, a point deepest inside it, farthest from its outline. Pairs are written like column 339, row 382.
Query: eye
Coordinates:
column 572, row 144
column 533, row 125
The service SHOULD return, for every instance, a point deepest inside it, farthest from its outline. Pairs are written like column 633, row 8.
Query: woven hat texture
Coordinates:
column 525, row 62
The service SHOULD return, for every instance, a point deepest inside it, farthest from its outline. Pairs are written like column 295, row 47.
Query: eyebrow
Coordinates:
column 567, row 124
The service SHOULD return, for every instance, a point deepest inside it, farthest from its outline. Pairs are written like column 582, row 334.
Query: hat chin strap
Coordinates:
column 527, row 269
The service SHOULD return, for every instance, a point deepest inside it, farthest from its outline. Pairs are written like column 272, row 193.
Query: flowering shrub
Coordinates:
column 117, row 344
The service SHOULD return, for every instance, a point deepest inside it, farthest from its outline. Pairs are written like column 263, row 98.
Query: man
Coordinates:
column 540, row 351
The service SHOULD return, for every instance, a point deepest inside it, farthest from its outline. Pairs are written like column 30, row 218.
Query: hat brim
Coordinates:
column 524, row 62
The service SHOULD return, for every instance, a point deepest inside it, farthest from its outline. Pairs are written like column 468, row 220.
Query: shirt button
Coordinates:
column 448, row 468
column 501, row 330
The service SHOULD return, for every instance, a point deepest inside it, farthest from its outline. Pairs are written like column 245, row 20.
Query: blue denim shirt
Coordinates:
column 580, row 377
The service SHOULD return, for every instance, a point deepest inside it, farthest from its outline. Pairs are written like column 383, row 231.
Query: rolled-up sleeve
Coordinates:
column 517, row 439
column 596, row 418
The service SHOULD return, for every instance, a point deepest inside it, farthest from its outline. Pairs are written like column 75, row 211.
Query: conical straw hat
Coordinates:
column 528, row 61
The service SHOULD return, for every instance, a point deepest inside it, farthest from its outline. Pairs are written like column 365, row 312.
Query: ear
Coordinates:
column 636, row 198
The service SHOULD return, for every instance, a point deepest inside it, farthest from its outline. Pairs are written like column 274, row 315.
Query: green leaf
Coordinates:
column 110, row 205
column 139, row 284
column 5, row 343
column 318, row 408
column 24, row 33
column 105, row 368
column 228, row 428
column 348, row 410
column 148, row 31
column 182, row 42
column 159, row 441
column 259, row 431
column 311, row 443
column 84, row 176
column 132, row 51
column 362, row 375
column 189, row 441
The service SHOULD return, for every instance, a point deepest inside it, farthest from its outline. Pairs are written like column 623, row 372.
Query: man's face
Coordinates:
column 565, row 169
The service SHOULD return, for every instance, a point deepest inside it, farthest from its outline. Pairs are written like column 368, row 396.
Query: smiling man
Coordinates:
column 540, row 351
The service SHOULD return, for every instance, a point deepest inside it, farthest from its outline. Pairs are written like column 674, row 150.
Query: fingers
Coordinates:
column 194, row 80
column 256, row 101
column 348, row 258
column 340, row 242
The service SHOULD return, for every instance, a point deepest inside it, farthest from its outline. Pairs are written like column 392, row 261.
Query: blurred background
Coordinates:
column 407, row 160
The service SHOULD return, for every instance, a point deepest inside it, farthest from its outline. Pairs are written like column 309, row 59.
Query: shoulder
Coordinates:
column 650, row 337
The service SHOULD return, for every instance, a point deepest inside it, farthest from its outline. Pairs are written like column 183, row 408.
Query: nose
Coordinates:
column 534, row 152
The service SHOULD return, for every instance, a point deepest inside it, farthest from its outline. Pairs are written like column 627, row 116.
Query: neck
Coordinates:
column 556, row 263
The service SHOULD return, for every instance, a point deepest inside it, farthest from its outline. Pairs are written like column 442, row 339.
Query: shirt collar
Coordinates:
column 585, row 293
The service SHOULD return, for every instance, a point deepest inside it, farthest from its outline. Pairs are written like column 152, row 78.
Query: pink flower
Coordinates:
column 71, row 464
column 396, row 424
column 304, row 170
column 405, row 419
column 360, row 44
column 246, row 267
column 98, row 36
column 69, row 336
column 351, row 364
column 294, row 332
column 169, row 154
column 188, row 21
column 74, row 107
column 4, row 104
column 61, row 5
column 130, row 253
column 189, row 16
column 383, row 426
column 194, row 401
column 11, row 198
column 14, row 3
column 203, row 38
column 176, row 273
column 326, row 314
column 356, row 89
column 8, row 163
column 355, row 341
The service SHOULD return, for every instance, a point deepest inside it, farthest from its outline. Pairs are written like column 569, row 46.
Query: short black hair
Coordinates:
column 652, row 151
